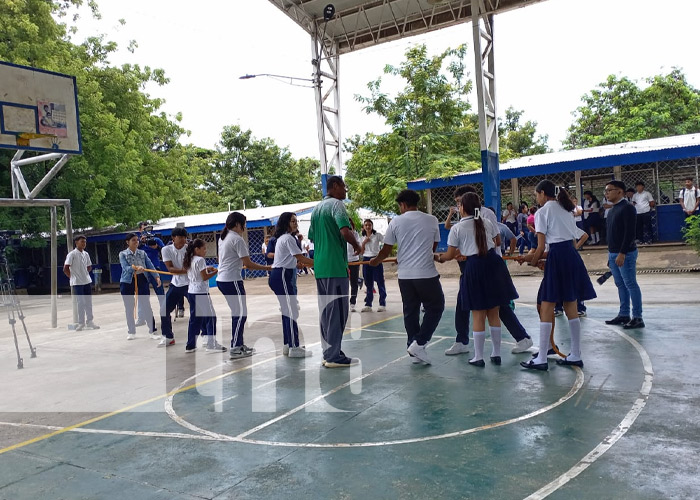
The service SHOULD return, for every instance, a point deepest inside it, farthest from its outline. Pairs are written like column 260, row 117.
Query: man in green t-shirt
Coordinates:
column 330, row 230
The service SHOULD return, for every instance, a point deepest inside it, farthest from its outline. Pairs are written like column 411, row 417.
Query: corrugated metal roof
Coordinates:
column 626, row 153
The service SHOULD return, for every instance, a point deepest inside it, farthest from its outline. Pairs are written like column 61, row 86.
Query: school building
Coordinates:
column 662, row 164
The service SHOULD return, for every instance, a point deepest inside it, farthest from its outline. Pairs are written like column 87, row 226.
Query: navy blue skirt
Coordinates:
column 485, row 283
column 565, row 277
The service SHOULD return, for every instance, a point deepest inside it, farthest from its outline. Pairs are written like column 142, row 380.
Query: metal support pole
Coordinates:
column 515, row 188
column 485, row 80
column 324, row 53
column 579, row 187
column 429, row 200
column 54, row 265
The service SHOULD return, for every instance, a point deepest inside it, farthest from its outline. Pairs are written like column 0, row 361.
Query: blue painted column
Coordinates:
column 492, row 181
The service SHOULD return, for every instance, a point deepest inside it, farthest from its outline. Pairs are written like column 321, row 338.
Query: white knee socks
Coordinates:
column 495, row 340
column 575, row 330
column 545, row 330
column 479, row 340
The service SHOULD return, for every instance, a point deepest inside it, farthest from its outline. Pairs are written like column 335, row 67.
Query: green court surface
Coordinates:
column 626, row 426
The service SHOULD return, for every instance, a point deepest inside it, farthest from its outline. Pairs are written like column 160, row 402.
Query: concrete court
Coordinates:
column 91, row 416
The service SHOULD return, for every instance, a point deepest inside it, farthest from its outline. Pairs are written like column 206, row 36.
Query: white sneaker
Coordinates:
column 419, row 352
column 285, row 350
column 91, row 326
column 366, row 309
column 165, row 342
column 457, row 348
column 522, row 346
column 156, row 336
column 79, row 328
column 299, row 352
column 416, row 361
column 130, row 336
column 381, row 309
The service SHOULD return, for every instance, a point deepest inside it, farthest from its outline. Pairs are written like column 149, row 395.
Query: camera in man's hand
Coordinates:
column 605, row 277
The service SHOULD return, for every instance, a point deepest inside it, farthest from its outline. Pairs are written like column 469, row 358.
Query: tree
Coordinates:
column 434, row 132
column 516, row 139
column 132, row 167
column 260, row 172
column 620, row 110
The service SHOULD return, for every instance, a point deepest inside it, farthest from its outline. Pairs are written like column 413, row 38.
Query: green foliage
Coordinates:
column 691, row 232
column 620, row 110
column 260, row 172
column 434, row 133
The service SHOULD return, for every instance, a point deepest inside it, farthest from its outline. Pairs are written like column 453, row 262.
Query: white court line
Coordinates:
column 617, row 433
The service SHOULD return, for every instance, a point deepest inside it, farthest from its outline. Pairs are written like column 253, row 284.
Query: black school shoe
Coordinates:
column 619, row 320
column 566, row 362
column 634, row 323
column 531, row 365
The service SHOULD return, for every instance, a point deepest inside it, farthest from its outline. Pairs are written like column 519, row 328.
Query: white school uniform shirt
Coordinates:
column 351, row 251
column 689, row 197
column 415, row 233
column 172, row 254
column 588, row 205
column 641, row 201
column 510, row 216
column 231, row 250
column 286, row 249
column 78, row 262
column 555, row 223
column 577, row 218
column 462, row 236
column 194, row 273
column 374, row 245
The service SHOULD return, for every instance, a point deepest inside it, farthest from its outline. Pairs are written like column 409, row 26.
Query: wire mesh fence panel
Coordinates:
column 671, row 178
column 647, row 174
column 256, row 238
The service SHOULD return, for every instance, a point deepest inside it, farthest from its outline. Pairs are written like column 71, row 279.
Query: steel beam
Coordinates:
column 485, row 81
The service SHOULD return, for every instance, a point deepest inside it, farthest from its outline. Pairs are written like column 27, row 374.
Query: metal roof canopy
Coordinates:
column 358, row 24
column 342, row 26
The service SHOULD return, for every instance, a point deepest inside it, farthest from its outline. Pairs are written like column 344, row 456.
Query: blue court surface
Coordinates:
column 624, row 426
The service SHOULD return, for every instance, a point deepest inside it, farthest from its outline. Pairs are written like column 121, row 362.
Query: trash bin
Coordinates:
column 97, row 273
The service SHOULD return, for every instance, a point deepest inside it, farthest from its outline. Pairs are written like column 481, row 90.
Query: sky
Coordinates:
column 547, row 56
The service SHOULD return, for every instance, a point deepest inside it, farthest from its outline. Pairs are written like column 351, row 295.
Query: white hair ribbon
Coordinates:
column 477, row 213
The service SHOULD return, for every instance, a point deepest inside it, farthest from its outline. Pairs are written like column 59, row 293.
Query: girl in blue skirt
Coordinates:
column 565, row 277
column 485, row 283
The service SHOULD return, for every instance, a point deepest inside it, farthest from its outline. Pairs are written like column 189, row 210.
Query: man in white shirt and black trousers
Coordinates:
column 643, row 202
column 77, row 267
column 417, row 235
column 622, row 256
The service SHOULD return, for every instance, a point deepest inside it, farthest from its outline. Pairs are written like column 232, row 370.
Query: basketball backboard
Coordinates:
column 38, row 110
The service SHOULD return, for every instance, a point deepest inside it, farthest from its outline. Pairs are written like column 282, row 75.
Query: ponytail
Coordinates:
column 189, row 253
column 471, row 204
column 559, row 193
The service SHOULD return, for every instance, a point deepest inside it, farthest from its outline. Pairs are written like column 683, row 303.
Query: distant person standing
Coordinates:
column 354, row 270
column 134, row 263
column 173, row 257
column 689, row 198
column 371, row 245
column 77, row 267
column 510, row 218
column 591, row 216
column 330, row 230
column 643, row 202
column 523, row 231
column 417, row 235
column 578, row 214
column 622, row 257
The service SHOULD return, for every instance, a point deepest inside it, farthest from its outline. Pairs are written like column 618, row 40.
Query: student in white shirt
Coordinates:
column 354, row 270
column 173, row 257
column 233, row 255
column 485, row 284
column 77, row 267
column 202, row 315
column 643, row 202
column 283, row 283
column 509, row 218
column 689, row 197
column 578, row 214
column 565, row 277
column 417, row 234
column 591, row 217
column 371, row 245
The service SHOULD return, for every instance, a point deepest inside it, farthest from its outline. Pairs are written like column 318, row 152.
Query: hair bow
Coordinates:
column 477, row 213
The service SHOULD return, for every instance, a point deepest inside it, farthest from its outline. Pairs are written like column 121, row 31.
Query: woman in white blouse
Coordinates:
column 371, row 245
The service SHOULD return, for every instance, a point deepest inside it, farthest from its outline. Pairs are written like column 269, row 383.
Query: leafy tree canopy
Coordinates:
column 621, row 110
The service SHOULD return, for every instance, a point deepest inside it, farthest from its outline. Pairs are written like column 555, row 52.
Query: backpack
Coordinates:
column 683, row 193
